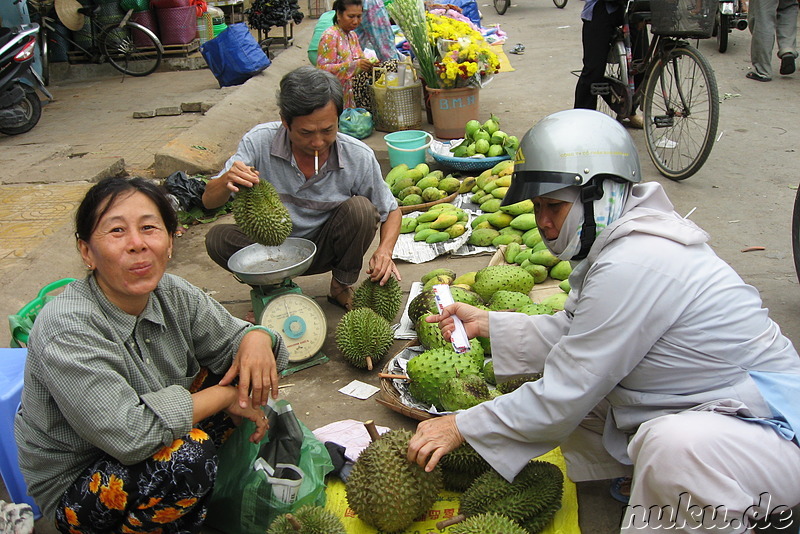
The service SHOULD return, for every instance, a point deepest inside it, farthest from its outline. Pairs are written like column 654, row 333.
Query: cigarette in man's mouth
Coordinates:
column 316, row 162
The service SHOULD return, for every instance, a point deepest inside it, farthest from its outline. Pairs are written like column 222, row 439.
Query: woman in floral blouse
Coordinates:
column 339, row 50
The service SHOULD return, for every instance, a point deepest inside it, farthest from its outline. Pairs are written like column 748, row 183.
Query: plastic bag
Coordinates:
column 356, row 122
column 234, row 55
column 188, row 191
column 257, row 482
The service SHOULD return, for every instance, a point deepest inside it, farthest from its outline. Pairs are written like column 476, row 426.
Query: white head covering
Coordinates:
column 606, row 210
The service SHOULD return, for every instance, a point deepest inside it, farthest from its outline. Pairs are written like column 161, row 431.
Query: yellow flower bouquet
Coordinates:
column 464, row 56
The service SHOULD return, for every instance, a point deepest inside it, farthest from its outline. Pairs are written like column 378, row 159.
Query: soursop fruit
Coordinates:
column 385, row 489
column 432, row 368
column 307, row 519
column 489, row 523
column 508, row 300
column 491, row 279
column 363, row 337
column 460, row 393
column 260, row 214
column 429, row 334
column 514, row 383
column 385, row 300
column 536, row 309
column 488, row 372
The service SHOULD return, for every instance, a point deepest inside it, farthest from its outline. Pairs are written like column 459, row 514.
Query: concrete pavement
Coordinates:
column 743, row 194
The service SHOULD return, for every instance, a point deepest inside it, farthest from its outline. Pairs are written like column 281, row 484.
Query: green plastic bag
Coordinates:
column 356, row 122
column 244, row 500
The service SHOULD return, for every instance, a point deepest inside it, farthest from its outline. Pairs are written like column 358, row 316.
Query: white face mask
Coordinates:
column 606, row 210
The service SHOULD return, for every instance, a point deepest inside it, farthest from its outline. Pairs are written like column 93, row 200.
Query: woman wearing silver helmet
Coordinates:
column 663, row 365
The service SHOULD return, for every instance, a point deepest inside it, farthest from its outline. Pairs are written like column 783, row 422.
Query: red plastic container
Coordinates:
column 177, row 25
column 148, row 20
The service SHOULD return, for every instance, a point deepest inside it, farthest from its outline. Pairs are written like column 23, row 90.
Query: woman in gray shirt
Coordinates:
column 123, row 408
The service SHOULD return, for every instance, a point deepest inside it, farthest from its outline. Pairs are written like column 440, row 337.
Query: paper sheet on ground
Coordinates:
column 564, row 522
column 349, row 433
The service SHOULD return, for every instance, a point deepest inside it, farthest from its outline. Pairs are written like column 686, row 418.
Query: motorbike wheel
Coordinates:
column 722, row 33
column 33, row 111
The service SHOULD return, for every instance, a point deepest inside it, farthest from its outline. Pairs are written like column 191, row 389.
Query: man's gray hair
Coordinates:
column 306, row 89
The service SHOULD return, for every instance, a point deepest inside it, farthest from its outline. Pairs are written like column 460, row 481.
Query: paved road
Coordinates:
column 743, row 195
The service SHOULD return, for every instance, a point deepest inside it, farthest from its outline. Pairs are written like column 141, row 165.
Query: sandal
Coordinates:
column 787, row 64
column 621, row 489
column 518, row 49
column 344, row 299
column 753, row 75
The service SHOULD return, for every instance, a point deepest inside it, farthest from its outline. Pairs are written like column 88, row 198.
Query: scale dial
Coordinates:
column 301, row 323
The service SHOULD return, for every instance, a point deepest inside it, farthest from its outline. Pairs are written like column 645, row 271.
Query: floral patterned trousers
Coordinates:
column 167, row 493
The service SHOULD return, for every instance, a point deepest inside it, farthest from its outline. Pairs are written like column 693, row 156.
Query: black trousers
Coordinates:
column 596, row 38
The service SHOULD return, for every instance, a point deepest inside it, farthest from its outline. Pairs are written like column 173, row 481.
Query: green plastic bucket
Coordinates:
column 407, row 146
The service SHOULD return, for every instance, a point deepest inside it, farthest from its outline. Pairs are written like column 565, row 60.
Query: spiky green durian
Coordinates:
column 531, row 500
column 385, row 489
column 260, row 214
column 385, row 299
column 511, row 385
column 308, row 519
column 363, row 337
column 489, row 523
column 461, row 467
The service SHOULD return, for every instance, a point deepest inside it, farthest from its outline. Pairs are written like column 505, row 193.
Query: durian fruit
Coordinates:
column 307, row 519
column 363, row 337
column 531, row 500
column 489, row 523
column 511, row 385
column 460, row 393
column 385, row 300
column 385, row 489
column 260, row 214
column 461, row 467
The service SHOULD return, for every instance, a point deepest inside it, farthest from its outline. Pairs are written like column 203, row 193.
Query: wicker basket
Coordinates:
column 149, row 21
column 683, row 18
column 396, row 108
column 390, row 397
column 177, row 25
column 467, row 164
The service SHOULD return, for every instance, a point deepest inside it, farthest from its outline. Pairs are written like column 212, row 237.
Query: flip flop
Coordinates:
column 753, row 75
column 787, row 64
column 616, row 489
column 344, row 300
column 518, row 49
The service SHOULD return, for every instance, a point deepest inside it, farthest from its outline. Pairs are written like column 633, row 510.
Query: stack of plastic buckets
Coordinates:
column 407, row 146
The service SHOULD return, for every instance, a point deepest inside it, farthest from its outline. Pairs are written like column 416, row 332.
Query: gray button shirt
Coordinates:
column 100, row 381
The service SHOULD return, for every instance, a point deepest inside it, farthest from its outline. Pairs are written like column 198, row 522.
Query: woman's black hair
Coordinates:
column 307, row 89
column 340, row 6
column 101, row 197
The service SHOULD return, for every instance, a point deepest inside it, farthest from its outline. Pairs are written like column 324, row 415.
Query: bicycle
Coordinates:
column 679, row 96
column 501, row 6
column 128, row 46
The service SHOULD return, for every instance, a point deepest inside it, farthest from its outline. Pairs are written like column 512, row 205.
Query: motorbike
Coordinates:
column 729, row 15
column 20, row 106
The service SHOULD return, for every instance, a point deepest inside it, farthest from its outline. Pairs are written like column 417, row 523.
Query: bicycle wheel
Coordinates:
column 681, row 111
column 501, row 6
column 612, row 96
column 560, row 4
column 722, row 33
column 135, row 50
column 41, row 43
column 796, row 233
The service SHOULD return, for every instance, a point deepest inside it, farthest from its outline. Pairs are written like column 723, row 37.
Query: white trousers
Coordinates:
column 698, row 472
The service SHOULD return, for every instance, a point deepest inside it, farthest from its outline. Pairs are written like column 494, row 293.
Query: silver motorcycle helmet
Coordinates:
column 570, row 148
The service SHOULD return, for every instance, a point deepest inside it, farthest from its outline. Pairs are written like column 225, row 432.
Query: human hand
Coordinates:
column 364, row 64
column 475, row 320
column 381, row 267
column 256, row 368
column 434, row 438
column 256, row 415
column 240, row 175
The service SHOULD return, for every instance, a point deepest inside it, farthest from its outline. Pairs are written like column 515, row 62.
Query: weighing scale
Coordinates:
column 278, row 303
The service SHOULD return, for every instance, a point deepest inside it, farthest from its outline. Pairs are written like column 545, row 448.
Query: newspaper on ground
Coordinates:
column 406, row 329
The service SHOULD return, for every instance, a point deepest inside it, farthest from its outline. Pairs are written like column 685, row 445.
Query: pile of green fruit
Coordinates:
column 439, row 223
column 412, row 186
column 485, row 139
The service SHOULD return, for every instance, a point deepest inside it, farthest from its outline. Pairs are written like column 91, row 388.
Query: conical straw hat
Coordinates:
column 67, row 11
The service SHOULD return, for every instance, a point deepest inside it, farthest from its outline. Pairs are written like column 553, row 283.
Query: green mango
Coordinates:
column 437, row 272
column 411, row 200
column 449, row 185
column 538, row 272
column 524, row 222
column 544, row 257
column 482, row 237
column 561, row 270
column 410, row 190
column 479, row 219
column 456, row 230
column 431, row 194
column 438, row 237
column 506, row 239
column 396, row 173
column 499, row 192
column 522, row 207
column 491, row 206
column 564, row 286
column 512, row 249
column 422, row 226
column 401, row 184
column 408, row 225
column 523, row 255
column 422, row 235
column 499, row 220
column 423, row 169
column 428, row 216
column 531, row 237
column 511, row 231
column 428, row 181
column 445, row 220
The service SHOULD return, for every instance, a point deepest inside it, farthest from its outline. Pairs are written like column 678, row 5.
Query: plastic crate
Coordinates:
column 683, row 18
column 22, row 322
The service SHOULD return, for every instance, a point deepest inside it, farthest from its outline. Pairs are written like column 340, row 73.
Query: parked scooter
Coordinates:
column 729, row 15
column 20, row 107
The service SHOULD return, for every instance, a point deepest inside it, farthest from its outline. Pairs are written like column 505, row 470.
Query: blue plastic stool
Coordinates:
column 12, row 368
